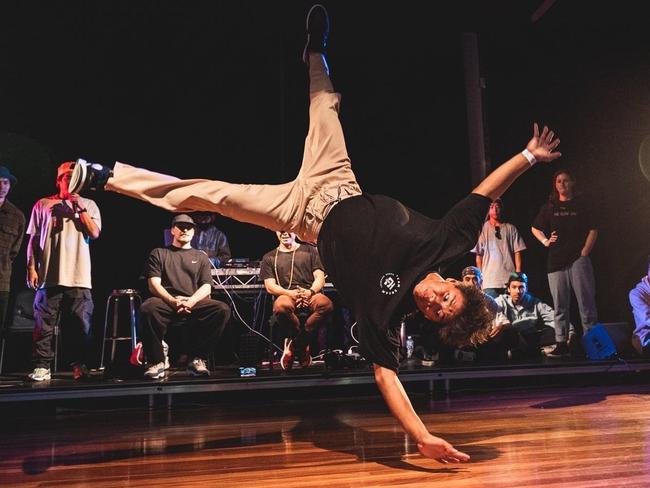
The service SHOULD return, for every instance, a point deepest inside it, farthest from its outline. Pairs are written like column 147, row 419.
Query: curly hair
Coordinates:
column 471, row 327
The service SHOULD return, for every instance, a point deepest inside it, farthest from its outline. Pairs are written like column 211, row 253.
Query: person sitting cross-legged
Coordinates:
column 180, row 281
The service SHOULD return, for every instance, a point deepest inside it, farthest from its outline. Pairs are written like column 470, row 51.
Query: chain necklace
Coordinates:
column 275, row 266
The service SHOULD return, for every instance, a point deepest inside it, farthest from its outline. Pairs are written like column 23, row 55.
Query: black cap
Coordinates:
column 183, row 219
column 517, row 277
column 5, row 173
column 471, row 270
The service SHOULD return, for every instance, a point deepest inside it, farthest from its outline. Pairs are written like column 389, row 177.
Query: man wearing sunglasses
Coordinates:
column 498, row 251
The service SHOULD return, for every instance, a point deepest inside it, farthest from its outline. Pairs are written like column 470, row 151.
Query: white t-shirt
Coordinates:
column 65, row 250
column 498, row 254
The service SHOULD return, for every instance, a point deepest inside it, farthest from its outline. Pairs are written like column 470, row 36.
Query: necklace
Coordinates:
column 275, row 267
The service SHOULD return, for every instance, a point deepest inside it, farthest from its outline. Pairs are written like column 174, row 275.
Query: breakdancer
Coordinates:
column 383, row 257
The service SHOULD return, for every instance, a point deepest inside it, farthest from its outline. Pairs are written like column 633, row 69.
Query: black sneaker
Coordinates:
column 560, row 350
column 318, row 31
column 88, row 176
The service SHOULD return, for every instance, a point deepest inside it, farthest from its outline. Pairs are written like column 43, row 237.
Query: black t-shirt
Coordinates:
column 376, row 250
column 182, row 271
column 572, row 220
column 305, row 261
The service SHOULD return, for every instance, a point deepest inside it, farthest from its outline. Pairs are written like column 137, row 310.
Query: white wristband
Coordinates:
column 529, row 156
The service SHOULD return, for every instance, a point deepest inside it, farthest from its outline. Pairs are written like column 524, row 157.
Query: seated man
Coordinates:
column 533, row 318
column 293, row 273
column 180, row 282
column 640, row 301
column 501, row 337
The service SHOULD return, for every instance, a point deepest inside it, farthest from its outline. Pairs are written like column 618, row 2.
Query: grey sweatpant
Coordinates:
column 579, row 277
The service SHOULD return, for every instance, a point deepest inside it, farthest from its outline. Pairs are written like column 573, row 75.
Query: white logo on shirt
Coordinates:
column 194, row 262
column 389, row 283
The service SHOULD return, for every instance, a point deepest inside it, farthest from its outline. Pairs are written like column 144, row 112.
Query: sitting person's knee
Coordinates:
column 283, row 305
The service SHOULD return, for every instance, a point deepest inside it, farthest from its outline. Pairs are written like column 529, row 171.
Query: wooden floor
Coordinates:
column 562, row 437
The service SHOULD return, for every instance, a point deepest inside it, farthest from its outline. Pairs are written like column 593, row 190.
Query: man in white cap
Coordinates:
column 58, row 268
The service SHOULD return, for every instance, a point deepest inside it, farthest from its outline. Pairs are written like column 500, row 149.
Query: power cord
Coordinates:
column 221, row 285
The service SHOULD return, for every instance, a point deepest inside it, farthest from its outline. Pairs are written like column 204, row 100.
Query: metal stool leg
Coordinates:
column 108, row 306
column 134, row 328
column 2, row 352
column 112, row 315
column 56, row 347
column 272, row 321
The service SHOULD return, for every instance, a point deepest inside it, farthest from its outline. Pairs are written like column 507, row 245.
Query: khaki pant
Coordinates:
column 299, row 206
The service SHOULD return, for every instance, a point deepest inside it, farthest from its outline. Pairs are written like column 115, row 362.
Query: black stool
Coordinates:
column 112, row 312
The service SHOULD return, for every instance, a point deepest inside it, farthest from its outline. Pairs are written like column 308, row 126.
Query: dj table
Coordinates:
column 243, row 279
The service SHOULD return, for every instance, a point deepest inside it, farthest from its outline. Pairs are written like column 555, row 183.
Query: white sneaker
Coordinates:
column 155, row 371
column 198, row 368
column 40, row 374
column 166, row 353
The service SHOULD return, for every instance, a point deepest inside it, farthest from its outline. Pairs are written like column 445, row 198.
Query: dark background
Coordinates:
column 216, row 89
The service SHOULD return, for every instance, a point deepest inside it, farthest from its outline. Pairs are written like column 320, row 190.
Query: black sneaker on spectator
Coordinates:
column 561, row 350
column 198, row 368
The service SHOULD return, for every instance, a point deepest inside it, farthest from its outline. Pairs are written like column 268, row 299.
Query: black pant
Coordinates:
column 202, row 328
column 68, row 307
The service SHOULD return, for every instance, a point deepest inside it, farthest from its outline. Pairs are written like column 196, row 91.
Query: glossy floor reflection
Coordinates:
column 564, row 437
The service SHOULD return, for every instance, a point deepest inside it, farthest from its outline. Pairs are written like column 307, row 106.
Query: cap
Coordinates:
column 5, row 173
column 471, row 270
column 183, row 219
column 514, row 276
column 64, row 168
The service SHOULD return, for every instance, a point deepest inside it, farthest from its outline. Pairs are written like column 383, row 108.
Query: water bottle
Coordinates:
column 409, row 347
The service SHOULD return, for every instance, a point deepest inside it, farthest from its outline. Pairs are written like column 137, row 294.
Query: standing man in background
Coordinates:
column 498, row 251
column 58, row 268
column 12, row 228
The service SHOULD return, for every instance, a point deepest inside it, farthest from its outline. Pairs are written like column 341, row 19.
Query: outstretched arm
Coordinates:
column 541, row 147
column 400, row 406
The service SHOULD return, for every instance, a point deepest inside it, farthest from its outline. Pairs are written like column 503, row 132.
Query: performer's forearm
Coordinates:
column 501, row 178
column 399, row 404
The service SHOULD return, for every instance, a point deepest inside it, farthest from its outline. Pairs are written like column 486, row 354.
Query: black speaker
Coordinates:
column 248, row 349
column 23, row 312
